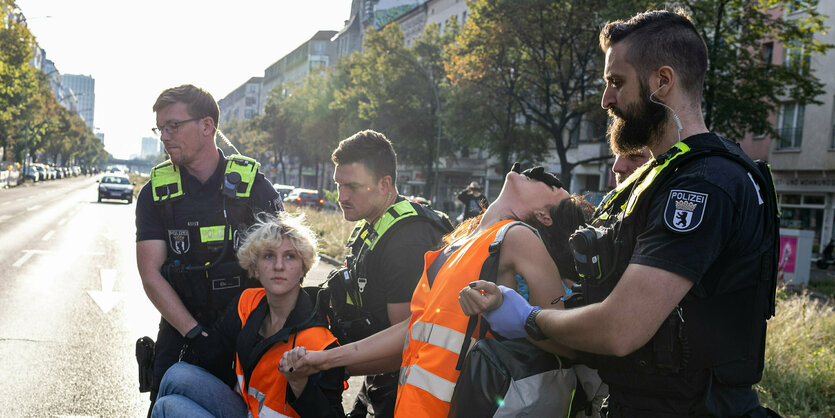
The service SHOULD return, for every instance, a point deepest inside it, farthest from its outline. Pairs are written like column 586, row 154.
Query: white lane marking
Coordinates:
column 28, row 254
column 5, row 203
column 36, row 207
column 48, row 235
column 21, row 260
column 62, row 221
column 4, row 217
column 106, row 299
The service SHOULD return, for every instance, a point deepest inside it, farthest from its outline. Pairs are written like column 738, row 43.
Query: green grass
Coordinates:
column 827, row 287
column 332, row 229
column 799, row 375
column 140, row 180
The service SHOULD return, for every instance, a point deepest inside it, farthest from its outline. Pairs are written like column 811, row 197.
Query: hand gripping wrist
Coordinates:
column 509, row 319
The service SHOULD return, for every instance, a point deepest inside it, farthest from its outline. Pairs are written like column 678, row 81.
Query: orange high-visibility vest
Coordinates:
column 437, row 330
column 265, row 396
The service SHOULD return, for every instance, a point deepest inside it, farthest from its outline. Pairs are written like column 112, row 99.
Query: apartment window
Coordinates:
column 832, row 133
column 790, row 129
column 464, row 17
column 768, row 52
column 796, row 57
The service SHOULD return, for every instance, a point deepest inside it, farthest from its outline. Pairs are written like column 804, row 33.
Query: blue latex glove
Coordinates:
column 509, row 319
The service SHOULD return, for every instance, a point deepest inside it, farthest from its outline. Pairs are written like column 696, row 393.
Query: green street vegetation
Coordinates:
column 799, row 375
column 520, row 77
column 30, row 116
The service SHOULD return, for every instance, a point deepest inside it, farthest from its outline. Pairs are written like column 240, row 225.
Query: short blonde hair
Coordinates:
column 269, row 230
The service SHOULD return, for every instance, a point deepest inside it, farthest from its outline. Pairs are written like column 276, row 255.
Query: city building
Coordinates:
column 366, row 14
column 803, row 156
column 151, row 147
column 84, row 88
column 318, row 51
column 242, row 103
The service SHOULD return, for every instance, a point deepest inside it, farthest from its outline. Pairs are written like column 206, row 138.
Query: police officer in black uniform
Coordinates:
column 189, row 218
column 675, row 314
column 387, row 245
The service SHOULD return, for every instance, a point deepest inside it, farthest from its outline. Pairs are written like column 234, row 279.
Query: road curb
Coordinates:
column 330, row 260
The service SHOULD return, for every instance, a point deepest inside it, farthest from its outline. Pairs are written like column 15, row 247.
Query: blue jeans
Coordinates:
column 190, row 391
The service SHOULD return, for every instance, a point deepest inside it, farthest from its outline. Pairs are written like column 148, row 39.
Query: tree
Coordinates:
column 18, row 80
column 742, row 86
column 397, row 90
column 481, row 109
column 543, row 54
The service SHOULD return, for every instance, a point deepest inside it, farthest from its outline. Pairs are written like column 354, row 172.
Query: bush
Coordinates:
column 799, row 375
column 332, row 229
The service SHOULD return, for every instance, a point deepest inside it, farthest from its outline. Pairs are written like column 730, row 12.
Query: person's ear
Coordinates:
column 385, row 182
column 543, row 218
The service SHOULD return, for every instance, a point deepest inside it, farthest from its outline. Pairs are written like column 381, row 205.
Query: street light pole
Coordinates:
column 431, row 80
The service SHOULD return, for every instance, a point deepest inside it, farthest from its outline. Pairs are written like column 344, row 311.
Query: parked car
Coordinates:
column 305, row 197
column 43, row 173
column 33, row 174
column 283, row 190
column 116, row 186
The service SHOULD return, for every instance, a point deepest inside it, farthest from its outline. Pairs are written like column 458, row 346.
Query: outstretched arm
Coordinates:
column 619, row 325
column 377, row 350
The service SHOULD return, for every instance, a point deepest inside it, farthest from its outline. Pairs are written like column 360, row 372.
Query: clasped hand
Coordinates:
column 299, row 363
column 502, row 307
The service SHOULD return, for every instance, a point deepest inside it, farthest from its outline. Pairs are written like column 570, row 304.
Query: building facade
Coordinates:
column 292, row 68
column 84, row 88
column 243, row 103
column 151, row 147
column 803, row 156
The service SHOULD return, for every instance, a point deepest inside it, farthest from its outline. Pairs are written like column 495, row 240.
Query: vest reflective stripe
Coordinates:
column 651, row 175
column 435, row 385
column 437, row 329
column 166, row 183
column 403, row 209
column 263, row 411
column 439, row 335
column 247, row 168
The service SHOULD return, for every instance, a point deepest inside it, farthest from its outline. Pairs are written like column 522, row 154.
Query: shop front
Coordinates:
column 807, row 202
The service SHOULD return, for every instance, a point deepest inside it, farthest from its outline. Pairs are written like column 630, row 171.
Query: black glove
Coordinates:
column 202, row 347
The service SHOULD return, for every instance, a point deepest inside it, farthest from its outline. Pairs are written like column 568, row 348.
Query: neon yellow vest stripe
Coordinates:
column 167, row 184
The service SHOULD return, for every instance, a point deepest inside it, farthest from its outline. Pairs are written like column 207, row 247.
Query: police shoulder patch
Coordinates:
column 179, row 241
column 685, row 210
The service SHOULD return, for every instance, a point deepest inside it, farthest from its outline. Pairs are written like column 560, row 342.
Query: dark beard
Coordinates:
column 637, row 126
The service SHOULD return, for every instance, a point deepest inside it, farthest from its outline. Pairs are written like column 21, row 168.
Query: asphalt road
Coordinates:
column 72, row 304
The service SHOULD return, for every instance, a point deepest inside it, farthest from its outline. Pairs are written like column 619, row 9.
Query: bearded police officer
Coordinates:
column 386, row 261
column 189, row 219
column 678, row 279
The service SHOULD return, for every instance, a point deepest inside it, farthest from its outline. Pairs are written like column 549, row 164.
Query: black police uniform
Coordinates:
column 709, row 223
column 392, row 269
column 179, row 224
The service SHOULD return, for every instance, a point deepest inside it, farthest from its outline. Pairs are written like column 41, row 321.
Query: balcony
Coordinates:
column 789, row 138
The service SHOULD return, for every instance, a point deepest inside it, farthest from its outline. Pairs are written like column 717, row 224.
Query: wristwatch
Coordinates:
column 531, row 328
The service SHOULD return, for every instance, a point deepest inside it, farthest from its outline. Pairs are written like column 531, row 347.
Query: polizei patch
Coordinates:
column 179, row 241
column 685, row 210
